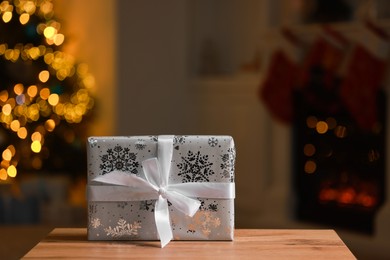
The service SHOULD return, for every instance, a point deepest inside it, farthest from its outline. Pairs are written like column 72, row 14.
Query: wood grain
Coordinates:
column 248, row 244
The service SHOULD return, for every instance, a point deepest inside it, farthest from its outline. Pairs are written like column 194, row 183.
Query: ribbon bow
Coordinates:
column 130, row 188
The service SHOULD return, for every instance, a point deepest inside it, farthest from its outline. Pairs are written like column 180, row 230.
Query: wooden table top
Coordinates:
column 248, row 244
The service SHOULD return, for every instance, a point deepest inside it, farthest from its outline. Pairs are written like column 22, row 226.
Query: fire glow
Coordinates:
column 350, row 196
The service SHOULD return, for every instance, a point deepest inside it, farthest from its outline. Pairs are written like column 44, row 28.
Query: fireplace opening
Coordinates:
column 339, row 168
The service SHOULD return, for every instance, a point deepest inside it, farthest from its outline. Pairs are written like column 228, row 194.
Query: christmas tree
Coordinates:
column 45, row 95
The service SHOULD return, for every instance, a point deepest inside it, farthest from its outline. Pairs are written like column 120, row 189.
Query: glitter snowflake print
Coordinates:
column 123, row 229
column 213, row 141
column 195, row 168
column 227, row 165
column 120, row 159
column 95, row 223
column 206, row 221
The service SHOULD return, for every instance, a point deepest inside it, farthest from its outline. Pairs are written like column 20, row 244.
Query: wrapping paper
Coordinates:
column 195, row 159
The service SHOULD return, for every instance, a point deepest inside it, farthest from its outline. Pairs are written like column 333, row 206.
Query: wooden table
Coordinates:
column 248, row 244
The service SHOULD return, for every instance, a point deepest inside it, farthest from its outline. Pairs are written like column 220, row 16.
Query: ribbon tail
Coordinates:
column 188, row 206
column 163, row 224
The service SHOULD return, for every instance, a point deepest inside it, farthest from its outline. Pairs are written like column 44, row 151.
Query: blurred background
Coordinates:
column 301, row 85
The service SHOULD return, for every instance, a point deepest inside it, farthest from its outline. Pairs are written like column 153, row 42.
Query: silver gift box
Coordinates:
column 194, row 159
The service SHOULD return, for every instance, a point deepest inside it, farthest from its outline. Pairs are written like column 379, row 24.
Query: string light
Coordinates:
column 32, row 111
column 321, row 127
column 44, row 76
column 3, row 174
column 12, row 171
column 7, row 16
column 24, row 18
column 36, row 146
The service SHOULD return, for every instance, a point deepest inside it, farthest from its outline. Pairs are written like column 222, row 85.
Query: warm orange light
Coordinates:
column 44, row 76
column 34, row 53
column 7, row 155
column 321, row 127
column 46, row 7
column 7, row 109
column 49, row 32
column 12, row 149
column 32, row 90
column 18, row 89
column 44, row 93
column 3, row 174
column 22, row 133
column 15, row 125
column 367, row 201
column 328, row 194
column 4, row 164
column 36, row 146
column 3, row 47
column 29, row 7
column 54, row 99
column 4, row 95
column 7, row 16
column 50, row 125
column 59, row 39
column 24, row 18
column 12, row 171
column 310, row 167
column 347, row 196
column 36, row 136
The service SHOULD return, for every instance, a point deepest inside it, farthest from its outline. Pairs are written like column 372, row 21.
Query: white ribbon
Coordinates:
column 125, row 187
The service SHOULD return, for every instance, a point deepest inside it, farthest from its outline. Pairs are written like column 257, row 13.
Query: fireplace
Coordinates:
column 339, row 168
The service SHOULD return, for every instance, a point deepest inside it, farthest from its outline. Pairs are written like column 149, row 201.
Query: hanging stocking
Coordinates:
column 277, row 88
column 319, row 78
column 365, row 73
column 324, row 57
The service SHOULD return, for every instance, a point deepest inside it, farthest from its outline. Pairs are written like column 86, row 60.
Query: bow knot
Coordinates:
column 162, row 192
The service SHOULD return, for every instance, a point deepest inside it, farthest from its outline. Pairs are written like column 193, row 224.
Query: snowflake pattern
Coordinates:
column 123, row 229
column 95, row 223
column 204, row 221
column 120, row 159
column 146, row 205
column 202, row 164
column 195, row 168
column 92, row 142
column 140, row 144
column 227, row 166
column 179, row 139
column 213, row 141
column 209, row 207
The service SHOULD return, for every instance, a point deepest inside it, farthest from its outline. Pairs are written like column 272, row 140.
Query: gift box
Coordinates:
column 161, row 188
